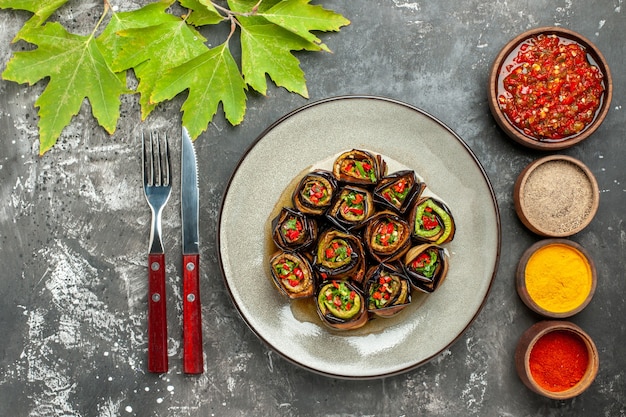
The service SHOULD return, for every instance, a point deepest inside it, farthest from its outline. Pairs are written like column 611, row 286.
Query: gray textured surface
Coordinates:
column 73, row 231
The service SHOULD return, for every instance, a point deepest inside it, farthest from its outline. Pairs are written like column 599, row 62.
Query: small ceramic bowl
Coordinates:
column 534, row 378
column 502, row 66
column 564, row 295
column 556, row 196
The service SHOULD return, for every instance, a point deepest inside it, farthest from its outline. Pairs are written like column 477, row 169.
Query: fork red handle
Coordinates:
column 157, row 317
column 193, row 362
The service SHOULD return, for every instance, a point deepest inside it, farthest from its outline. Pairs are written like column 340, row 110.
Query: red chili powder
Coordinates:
column 558, row 360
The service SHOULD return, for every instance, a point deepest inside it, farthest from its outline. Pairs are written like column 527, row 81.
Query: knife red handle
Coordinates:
column 157, row 317
column 193, row 362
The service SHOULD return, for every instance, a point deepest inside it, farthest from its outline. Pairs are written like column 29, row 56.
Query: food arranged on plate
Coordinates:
column 357, row 241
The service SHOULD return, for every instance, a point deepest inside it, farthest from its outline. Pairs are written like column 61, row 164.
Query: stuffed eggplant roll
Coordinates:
column 315, row 192
column 398, row 190
column 292, row 230
column 292, row 274
column 352, row 208
column 387, row 289
column 426, row 266
column 359, row 168
column 341, row 305
column 339, row 255
column 387, row 236
column 431, row 221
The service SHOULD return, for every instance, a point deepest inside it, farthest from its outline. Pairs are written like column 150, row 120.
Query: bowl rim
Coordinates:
column 518, row 195
column 526, row 140
column 520, row 278
column 527, row 342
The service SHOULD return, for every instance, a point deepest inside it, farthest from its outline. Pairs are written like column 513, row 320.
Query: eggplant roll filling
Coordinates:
column 388, row 290
column 387, row 236
column 315, row 192
column 426, row 266
column 399, row 190
column 292, row 274
column 293, row 230
column 352, row 208
column 340, row 255
column 432, row 222
column 341, row 305
column 358, row 167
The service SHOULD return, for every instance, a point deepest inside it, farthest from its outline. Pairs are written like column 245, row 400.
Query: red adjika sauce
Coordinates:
column 550, row 90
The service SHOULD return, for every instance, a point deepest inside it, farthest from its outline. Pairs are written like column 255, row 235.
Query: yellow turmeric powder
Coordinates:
column 558, row 278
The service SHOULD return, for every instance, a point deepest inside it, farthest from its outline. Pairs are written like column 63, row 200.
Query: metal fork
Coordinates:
column 157, row 187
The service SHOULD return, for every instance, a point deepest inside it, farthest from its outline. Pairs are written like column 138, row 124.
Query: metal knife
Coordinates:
column 192, row 316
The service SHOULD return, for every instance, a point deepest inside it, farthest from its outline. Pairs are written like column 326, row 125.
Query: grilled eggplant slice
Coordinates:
column 352, row 208
column 292, row 230
column 340, row 255
column 387, row 236
column 426, row 266
column 341, row 305
column 387, row 289
column 399, row 190
column 432, row 221
column 292, row 273
column 359, row 167
column 315, row 192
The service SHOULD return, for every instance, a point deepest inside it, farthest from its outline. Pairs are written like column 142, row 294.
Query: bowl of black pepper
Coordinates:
column 549, row 88
column 556, row 196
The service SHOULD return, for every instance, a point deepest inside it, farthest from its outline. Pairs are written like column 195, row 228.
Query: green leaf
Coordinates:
column 168, row 56
column 202, row 12
column 76, row 70
column 42, row 10
column 266, row 49
column 210, row 78
column 152, row 14
column 152, row 42
column 299, row 17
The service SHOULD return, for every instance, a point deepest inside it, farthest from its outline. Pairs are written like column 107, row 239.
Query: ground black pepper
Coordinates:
column 558, row 196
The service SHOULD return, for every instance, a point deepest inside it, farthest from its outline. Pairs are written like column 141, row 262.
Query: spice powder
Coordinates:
column 558, row 197
column 558, row 278
column 559, row 360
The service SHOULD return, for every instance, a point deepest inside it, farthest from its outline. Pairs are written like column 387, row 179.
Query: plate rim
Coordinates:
column 323, row 101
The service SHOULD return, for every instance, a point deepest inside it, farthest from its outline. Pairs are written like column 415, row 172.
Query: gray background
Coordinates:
column 74, row 229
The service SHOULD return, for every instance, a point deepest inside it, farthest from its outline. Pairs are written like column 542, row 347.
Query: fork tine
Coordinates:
column 157, row 169
column 168, row 162
column 143, row 159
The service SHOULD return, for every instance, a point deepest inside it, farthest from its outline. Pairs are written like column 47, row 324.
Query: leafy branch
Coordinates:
column 168, row 56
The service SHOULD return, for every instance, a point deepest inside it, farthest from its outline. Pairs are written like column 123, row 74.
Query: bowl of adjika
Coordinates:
column 549, row 88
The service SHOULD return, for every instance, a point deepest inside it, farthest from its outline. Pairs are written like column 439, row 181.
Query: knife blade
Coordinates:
column 193, row 362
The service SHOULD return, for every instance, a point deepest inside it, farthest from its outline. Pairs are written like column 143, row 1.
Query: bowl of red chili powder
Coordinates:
column 556, row 359
column 549, row 88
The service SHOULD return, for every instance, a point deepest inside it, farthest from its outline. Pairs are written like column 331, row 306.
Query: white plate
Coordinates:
column 398, row 132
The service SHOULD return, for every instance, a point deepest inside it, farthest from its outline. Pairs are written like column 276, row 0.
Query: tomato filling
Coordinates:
column 338, row 251
column 381, row 292
column 340, row 300
column 387, row 233
column 353, row 205
column 360, row 169
column 316, row 192
column 425, row 264
column 292, row 229
column 289, row 272
column 397, row 192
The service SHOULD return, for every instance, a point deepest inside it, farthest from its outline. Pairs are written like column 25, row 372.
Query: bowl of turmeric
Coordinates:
column 556, row 278
column 557, row 359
